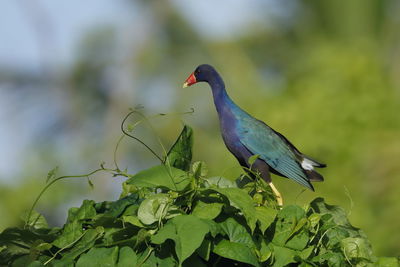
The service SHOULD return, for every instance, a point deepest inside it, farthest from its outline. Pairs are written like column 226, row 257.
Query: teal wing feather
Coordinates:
column 260, row 139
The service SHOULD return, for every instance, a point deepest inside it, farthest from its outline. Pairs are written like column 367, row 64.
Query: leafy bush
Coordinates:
column 173, row 214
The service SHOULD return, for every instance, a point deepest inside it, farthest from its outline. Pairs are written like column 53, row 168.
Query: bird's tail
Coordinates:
column 314, row 176
column 308, row 165
column 313, row 162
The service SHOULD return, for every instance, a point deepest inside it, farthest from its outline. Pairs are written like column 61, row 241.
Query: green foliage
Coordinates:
column 180, row 154
column 160, row 176
column 173, row 215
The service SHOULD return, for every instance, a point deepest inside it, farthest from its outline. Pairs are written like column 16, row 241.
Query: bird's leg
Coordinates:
column 278, row 195
column 261, row 169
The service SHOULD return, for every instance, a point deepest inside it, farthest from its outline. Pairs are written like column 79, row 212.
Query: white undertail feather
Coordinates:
column 307, row 164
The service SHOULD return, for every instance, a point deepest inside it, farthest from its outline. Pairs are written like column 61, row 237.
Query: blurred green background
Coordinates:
column 326, row 74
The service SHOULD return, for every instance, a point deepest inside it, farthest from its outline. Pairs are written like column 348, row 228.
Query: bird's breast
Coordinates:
column 229, row 117
column 230, row 135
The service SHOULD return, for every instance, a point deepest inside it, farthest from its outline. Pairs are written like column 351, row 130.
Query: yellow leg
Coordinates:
column 278, row 195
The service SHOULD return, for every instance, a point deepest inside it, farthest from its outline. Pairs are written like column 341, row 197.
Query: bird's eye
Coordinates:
column 197, row 71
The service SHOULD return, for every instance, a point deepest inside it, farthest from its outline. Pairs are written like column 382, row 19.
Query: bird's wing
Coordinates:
column 260, row 139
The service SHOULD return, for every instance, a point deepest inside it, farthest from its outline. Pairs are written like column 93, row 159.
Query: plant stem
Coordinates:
column 51, row 183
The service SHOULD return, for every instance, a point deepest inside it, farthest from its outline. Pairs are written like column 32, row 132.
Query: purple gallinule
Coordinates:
column 245, row 136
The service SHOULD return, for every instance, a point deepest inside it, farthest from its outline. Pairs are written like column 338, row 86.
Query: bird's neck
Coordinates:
column 221, row 97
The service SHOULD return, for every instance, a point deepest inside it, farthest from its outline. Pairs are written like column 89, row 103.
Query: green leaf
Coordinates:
column 300, row 224
column 355, row 248
column 314, row 219
column 72, row 232
column 168, row 231
column 298, row 241
column 306, row 252
column 118, row 207
column 253, row 159
column 241, row 200
column 236, row 232
column 43, row 246
column 204, row 249
column 330, row 259
column 287, row 219
column 283, row 256
column 299, row 236
column 127, row 257
column 85, row 243
column 339, row 232
column 214, row 227
column 147, row 258
column 334, row 236
column 16, row 242
column 131, row 210
column 99, row 257
column 166, row 261
column 339, row 216
column 305, row 264
column 161, row 176
column 220, row 182
column 37, row 220
column 188, row 233
column 180, row 154
column 236, row 251
column 154, row 208
column 142, row 236
column 264, row 252
column 35, row 264
column 207, row 210
column 127, row 189
column 132, row 220
column 86, row 211
column 63, row 263
column 199, row 169
column 265, row 216
column 24, row 260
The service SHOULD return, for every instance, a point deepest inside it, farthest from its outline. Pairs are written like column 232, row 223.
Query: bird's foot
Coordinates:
column 279, row 200
column 278, row 195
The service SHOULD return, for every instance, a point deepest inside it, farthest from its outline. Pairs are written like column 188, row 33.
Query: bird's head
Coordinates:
column 203, row 73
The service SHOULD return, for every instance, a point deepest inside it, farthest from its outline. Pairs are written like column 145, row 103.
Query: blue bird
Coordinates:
column 245, row 136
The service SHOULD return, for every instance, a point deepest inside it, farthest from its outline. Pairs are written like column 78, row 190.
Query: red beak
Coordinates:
column 189, row 81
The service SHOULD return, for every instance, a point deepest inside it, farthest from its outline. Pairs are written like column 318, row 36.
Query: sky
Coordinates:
column 64, row 23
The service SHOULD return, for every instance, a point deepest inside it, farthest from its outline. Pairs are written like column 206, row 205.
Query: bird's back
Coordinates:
column 272, row 147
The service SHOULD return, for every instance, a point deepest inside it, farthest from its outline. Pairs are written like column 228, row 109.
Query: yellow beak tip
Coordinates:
column 185, row 85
